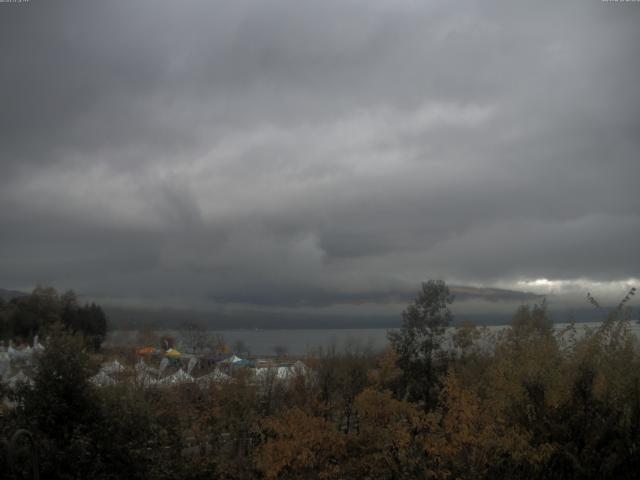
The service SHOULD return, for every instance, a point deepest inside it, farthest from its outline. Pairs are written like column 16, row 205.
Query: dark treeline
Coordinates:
column 22, row 317
column 528, row 402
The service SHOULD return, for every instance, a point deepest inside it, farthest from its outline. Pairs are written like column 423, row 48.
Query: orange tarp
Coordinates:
column 145, row 351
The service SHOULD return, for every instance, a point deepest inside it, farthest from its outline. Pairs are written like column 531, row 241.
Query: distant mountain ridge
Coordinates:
column 8, row 295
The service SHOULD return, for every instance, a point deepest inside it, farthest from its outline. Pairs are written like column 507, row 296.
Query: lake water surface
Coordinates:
column 303, row 341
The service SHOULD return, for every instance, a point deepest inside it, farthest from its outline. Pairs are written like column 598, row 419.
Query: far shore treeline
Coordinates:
column 535, row 402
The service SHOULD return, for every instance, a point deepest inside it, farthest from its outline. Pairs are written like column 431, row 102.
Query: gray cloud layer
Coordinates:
column 306, row 152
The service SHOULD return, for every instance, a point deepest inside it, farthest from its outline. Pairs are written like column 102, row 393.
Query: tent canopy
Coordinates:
column 172, row 353
column 112, row 367
column 179, row 377
column 145, row 351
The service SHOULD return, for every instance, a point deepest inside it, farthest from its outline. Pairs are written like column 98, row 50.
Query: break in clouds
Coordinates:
column 318, row 153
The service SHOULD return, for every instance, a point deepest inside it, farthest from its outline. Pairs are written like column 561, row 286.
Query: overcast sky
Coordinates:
column 318, row 153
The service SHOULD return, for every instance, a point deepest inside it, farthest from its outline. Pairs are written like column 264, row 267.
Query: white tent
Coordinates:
column 144, row 379
column 279, row 373
column 37, row 346
column 112, row 367
column 5, row 363
column 4, row 368
column 164, row 363
column 177, row 378
column 232, row 359
column 193, row 361
column 142, row 367
column 19, row 378
column 300, row 368
column 214, row 377
column 20, row 355
column 102, row 379
column 284, row 373
column 146, row 375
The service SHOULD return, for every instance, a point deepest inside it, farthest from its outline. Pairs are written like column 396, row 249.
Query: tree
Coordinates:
column 299, row 446
column 351, row 372
column 92, row 324
column 387, row 443
column 33, row 313
column 147, row 336
column 193, row 337
column 219, row 345
column 280, row 351
column 388, row 375
column 235, row 422
column 464, row 337
column 62, row 407
column 44, row 302
column 5, row 316
column 36, row 313
column 532, row 319
column 420, row 338
column 241, row 348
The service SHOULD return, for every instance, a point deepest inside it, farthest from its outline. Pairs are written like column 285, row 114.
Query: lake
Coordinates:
column 303, row 341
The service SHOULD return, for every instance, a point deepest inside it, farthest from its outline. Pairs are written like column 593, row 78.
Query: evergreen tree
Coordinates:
column 419, row 341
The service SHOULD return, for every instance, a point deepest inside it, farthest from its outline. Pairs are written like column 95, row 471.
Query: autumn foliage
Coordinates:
column 527, row 401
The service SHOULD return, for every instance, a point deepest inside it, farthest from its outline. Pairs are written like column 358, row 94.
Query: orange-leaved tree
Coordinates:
column 300, row 446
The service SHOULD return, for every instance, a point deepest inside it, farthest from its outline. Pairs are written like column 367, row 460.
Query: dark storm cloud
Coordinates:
column 312, row 153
